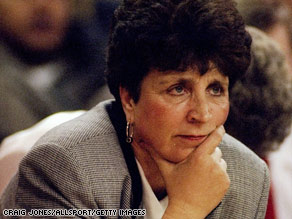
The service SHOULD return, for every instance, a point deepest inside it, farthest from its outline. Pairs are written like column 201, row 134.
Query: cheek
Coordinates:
column 16, row 22
column 221, row 113
column 154, row 118
column 60, row 15
column 153, row 109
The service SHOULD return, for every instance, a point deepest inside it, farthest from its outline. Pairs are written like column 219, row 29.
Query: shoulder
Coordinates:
column 91, row 124
column 78, row 161
column 236, row 153
column 249, row 177
column 88, row 138
column 245, row 168
column 242, row 161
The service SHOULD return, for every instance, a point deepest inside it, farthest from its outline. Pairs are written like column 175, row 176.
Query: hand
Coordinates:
column 196, row 185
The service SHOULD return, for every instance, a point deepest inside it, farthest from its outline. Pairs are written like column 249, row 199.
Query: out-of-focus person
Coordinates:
column 160, row 145
column 272, row 17
column 261, row 112
column 50, row 58
column 14, row 147
column 288, row 3
column 280, row 165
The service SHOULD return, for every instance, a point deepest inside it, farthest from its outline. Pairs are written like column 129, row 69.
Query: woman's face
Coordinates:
column 178, row 110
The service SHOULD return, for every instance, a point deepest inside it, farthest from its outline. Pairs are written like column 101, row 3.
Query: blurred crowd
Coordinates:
column 52, row 59
column 261, row 102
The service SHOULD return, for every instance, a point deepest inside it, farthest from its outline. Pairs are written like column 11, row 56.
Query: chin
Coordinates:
column 177, row 158
column 44, row 46
column 43, row 42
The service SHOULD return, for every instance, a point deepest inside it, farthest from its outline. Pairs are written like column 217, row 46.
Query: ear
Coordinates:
column 127, row 103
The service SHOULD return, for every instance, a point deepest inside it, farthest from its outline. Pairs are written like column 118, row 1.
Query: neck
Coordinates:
column 151, row 171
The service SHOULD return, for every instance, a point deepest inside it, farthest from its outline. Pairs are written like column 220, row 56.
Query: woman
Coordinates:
column 156, row 146
column 274, row 18
column 260, row 103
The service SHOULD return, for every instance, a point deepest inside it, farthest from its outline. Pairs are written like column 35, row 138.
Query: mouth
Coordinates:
column 42, row 27
column 193, row 139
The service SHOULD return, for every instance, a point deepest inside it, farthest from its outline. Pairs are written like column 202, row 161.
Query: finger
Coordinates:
column 223, row 164
column 213, row 140
column 217, row 154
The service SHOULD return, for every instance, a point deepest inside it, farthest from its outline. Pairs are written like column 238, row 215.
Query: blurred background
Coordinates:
column 52, row 59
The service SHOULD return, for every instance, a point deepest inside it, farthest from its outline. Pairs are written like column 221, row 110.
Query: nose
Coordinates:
column 44, row 9
column 199, row 111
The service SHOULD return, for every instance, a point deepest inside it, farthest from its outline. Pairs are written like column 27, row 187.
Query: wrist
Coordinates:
column 175, row 212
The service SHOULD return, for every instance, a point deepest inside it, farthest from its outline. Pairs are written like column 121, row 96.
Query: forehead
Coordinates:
column 11, row 5
column 190, row 74
column 26, row 4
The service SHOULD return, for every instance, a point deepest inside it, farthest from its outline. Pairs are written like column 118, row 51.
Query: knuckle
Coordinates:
column 218, row 135
column 222, row 130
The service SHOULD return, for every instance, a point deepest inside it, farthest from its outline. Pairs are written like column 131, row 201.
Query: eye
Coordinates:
column 216, row 89
column 177, row 90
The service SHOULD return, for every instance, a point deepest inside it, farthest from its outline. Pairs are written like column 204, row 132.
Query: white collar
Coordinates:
column 154, row 208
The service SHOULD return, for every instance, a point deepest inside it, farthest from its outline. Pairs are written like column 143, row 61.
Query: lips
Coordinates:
column 42, row 24
column 193, row 139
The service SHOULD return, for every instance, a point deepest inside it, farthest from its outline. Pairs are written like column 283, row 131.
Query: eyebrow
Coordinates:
column 179, row 80
column 222, row 82
column 189, row 80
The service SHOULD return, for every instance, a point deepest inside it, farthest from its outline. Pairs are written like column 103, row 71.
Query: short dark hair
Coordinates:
column 174, row 35
column 261, row 101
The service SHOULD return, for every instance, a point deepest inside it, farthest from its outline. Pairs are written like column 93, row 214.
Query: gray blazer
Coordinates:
column 80, row 164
